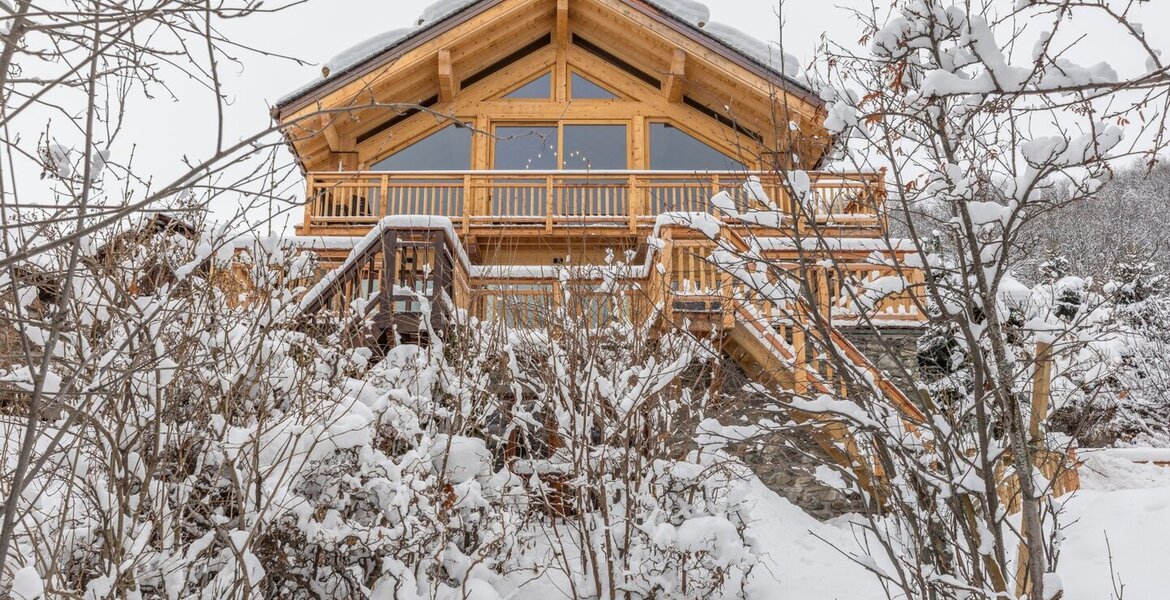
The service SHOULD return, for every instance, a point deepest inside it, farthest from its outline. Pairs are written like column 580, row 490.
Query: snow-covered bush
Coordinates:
column 195, row 440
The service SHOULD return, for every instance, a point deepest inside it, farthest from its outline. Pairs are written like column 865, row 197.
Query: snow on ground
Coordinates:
column 1129, row 503
column 795, row 564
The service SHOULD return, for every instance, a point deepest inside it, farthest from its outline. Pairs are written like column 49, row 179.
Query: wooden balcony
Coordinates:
column 421, row 273
column 567, row 201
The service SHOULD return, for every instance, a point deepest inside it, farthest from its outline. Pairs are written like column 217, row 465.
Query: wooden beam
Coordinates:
column 673, row 87
column 561, row 43
column 446, row 77
column 562, row 36
column 337, row 142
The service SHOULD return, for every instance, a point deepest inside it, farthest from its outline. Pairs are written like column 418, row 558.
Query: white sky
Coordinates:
column 319, row 29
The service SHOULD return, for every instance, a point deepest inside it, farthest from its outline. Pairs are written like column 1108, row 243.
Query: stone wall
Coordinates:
column 893, row 349
column 786, row 462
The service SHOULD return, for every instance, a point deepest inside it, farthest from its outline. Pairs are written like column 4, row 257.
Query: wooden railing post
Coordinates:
column 311, row 201
column 666, row 261
column 635, row 203
column 389, row 279
column 714, row 191
column 442, row 275
column 800, row 352
column 468, row 200
column 1041, row 389
column 385, row 197
column 548, row 207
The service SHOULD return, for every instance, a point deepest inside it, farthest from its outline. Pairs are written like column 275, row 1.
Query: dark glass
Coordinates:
column 583, row 89
column 537, row 89
column 527, row 148
column 596, row 147
column 672, row 149
column 446, row 150
column 523, row 148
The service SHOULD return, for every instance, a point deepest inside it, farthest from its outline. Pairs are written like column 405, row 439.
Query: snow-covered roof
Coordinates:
column 695, row 15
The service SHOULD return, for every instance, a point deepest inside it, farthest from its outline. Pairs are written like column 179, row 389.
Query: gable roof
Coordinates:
column 688, row 17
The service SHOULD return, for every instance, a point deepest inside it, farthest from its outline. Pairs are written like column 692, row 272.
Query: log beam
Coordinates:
column 562, row 34
column 673, row 86
column 327, row 125
column 446, row 77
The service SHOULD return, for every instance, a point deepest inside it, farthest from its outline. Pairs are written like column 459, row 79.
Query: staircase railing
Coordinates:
column 408, row 280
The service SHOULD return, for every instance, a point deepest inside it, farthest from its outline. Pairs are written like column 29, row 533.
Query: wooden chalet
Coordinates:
column 472, row 158
column 554, row 132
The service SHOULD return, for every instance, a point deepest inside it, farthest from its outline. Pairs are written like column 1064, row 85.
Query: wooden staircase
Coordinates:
column 402, row 285
column 397, row 286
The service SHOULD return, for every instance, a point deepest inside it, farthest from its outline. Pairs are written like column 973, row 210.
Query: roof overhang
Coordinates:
column 314, row 92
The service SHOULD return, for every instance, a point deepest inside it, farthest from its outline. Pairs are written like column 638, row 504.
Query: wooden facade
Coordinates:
column 485, row 234
column 555, row 72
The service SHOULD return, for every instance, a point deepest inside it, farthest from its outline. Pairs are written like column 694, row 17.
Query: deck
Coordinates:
column 601, row 202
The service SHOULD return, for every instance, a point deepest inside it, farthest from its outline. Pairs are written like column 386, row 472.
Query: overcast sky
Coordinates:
column 319, row 29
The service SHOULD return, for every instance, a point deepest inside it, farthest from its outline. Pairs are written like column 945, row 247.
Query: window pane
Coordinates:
column 446, row 150
column 595, row 147
column 526, row 148
column 672, row 149
column 538, row 89
column 583, row 89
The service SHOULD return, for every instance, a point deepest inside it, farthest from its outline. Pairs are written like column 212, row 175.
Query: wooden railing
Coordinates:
column 566, row 198
column 404, row 280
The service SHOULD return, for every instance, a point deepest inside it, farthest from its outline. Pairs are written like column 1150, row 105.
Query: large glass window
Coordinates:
column 527, row 148
column 672, row 149
column 449, row 149
column 583, row 89
column 595, row 147
column 523, row 148
column 537, row 89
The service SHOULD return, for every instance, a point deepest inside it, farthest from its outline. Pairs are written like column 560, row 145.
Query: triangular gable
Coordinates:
column 444, row 15
column 477, row 53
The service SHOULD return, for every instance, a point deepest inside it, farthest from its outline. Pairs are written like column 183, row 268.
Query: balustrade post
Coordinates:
column 384, row 200
column 312, row 202
column 389, row 277
column 548, row 204
column 468, row 200
column 635, row 202
column 800, row 353
column 666, row 261
column 714, row 191
column 441, row 273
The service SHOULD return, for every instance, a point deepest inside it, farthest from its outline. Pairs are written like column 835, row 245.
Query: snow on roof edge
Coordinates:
column 408, row 34
column 687, row 15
